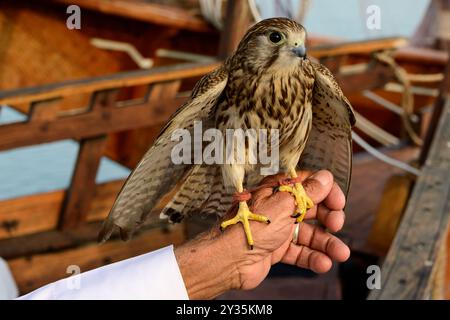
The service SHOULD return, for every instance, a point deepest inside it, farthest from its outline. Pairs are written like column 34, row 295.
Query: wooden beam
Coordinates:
column 356, row 47
column 56, row 240
column 408, row 270
column 389, row 213
column 423, row 57
column 164, row 90
column 373, row 77
column 104, row 121
column 131, row 145
column 323, row 48
column 39, row 213
column 238, row 18
column 369, row 178
column 82, row 186
column 116, row 80
column 34, row 271
column 439, row 105
column 47, row 241
column 78, row 198
column 87, row 124
column 165, row 15
column 46, row 110
column 447, row 272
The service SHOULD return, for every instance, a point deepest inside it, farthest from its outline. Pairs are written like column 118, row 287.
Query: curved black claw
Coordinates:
column 276, row 189
column 295, row 215
column 268, row 221
column 251, row 247
column 221, row 229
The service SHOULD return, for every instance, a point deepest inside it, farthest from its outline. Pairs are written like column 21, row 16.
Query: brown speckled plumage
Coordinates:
column 262, row 86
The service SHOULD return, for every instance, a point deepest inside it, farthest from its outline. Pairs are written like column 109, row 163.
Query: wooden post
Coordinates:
column 410, row 267
column 444, row 90
column 435, row 26
column 82, row 187
column 238, row 19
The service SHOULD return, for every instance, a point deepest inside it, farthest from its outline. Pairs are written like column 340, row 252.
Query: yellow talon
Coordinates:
column 302, row 200
column 244, row 215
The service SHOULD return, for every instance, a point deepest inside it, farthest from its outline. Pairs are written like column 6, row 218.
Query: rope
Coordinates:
column 435, row 77
column 242, row 196
column 388, row 104
column 254, row 10
column 212, row 12
column 304, row 7
column 417, row 91
column 375, row 132
column 181, row 55
column 381, row 156
column 407, row 102
column 135, row 55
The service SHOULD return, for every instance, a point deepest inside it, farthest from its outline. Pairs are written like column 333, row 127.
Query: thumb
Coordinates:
column 318, row 185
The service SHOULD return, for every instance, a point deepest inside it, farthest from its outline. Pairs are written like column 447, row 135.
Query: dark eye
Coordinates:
column 275, row 37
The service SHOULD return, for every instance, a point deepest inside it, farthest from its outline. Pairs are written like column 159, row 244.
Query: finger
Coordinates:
column 275, row 206
column 311, row 213
column 304, row 257
column 331, row 219
column 318, row 239
column 335, row 200
column 319, row 185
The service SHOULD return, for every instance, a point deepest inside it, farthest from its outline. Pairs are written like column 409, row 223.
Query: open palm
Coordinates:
column 316, row 247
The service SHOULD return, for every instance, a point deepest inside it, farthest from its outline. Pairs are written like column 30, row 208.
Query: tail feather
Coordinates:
column 201, row 193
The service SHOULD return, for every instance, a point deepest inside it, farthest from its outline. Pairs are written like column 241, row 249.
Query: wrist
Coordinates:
column 209, row 265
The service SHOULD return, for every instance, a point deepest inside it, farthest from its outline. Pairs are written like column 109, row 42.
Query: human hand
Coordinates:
column 213, row 263
column 316, row 248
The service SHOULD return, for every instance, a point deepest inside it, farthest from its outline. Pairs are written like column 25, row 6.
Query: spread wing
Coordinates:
column 156, row 174
column 329, row 145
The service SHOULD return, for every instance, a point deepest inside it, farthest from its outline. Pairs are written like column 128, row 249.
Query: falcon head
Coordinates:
column 273, row 43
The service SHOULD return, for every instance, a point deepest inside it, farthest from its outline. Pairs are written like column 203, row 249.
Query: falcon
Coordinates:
column 270, row 83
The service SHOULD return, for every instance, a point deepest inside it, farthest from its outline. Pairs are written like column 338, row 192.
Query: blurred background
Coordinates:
column 86, row 85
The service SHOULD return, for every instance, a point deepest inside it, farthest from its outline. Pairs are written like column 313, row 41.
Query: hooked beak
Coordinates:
column 300, row 51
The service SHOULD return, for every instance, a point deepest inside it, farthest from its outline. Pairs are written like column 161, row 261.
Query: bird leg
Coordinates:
column 244, row 215
column 302, row 201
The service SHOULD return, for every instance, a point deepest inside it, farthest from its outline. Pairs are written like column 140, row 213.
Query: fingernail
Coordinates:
column 321, row 177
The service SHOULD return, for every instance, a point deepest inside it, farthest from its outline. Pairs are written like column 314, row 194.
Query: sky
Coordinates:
column 347, row 18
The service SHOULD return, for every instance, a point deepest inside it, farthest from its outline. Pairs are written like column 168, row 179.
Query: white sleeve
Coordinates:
column 8, row 288
column 152, row 276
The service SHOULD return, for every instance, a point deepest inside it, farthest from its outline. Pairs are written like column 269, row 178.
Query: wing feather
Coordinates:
column 329, row 144
column 156, row 174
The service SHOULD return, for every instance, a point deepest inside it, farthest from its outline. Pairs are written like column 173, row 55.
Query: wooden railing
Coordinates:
column 415, row 266
column 48, row 122
column 411, row 265
column 61, row 219
column 161, row 14
column 35, row 225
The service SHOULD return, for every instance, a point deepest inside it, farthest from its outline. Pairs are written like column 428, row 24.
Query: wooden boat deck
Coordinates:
column 39, row 233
